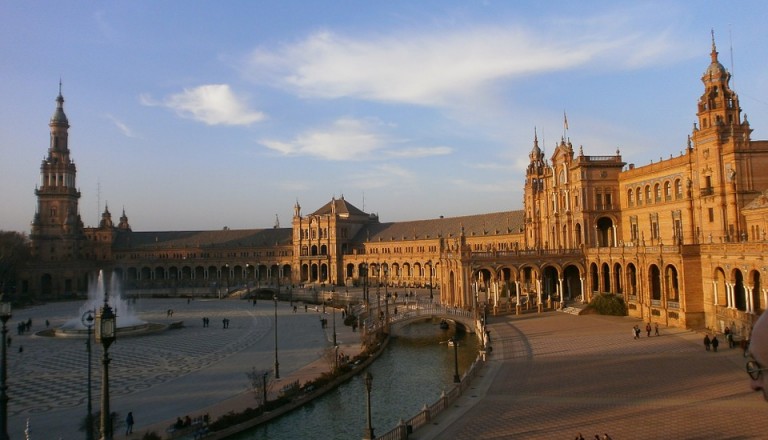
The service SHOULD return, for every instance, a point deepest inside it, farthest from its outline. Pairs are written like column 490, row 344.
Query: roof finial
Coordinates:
column 714, row 48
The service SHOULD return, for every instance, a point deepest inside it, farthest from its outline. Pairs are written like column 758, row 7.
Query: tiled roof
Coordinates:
column 507, row 222
column 219, row 238
column 342, row 207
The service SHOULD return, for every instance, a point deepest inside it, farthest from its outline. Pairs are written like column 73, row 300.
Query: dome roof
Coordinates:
column 58, row 116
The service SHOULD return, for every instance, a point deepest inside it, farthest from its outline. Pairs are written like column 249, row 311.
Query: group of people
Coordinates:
column 713, row 342
column 636, row 330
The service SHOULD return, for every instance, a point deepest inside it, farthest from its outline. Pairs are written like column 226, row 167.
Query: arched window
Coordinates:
column 648, row 194
column 657, row 193
column 678, row 189
column 630, row 198
column 638, row 196
column 667, row 191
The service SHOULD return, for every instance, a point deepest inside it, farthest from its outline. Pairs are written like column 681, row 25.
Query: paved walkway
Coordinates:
column 190, row 371
column 555, row 375
column 551, row 376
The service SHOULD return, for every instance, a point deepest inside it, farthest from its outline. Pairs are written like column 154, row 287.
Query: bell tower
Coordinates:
column 725, row 171
column 57, row 228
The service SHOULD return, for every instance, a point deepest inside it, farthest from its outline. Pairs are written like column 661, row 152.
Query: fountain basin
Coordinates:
column 127, row 331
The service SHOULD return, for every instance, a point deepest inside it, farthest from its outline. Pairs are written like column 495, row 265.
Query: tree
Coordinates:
column 260, row 382
column 15, row 252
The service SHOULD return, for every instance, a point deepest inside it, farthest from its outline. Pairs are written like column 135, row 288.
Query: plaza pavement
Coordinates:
column 555, row 375
column 550, row 376
column 191, row 371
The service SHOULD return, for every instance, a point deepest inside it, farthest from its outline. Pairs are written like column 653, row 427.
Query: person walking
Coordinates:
column 648, row 330
column 715, row 343
column 656, row 329
column 129, row 423
column 707, row 342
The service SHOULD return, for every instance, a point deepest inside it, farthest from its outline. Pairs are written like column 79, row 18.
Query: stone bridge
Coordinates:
column 399, row 315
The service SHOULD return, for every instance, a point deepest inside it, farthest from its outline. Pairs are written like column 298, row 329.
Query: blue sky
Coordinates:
column 199, row 115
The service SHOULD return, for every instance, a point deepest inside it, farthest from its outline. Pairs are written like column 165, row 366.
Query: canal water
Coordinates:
column 415, row 368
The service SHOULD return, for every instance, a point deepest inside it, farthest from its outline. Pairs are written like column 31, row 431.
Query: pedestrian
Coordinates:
column 9, row 341
column 21, row 349
column 656, row 328
column 715, row 343
column 707, row 342
column 129, row 423
column 758, row 356
column 47, row 323
column 648, row 329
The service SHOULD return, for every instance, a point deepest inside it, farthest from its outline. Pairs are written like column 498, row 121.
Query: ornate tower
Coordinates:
column 57, row 229
column 727, row 165
column 535, row 198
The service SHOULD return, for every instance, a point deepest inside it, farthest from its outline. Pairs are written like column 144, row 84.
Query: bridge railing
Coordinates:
column 403, row 312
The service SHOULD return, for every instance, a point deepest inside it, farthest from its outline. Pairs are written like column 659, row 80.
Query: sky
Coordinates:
column 193, row 115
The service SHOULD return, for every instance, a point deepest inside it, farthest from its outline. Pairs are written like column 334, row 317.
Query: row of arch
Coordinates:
column 222, row 275
column 654, row 193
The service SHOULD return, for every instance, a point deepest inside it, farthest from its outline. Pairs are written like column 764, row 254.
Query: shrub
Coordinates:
column 609, row 304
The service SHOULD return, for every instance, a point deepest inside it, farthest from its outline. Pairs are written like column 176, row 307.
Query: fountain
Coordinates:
column 128, row 323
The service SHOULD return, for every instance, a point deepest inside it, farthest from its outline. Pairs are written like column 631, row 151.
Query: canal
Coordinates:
column 414, row 369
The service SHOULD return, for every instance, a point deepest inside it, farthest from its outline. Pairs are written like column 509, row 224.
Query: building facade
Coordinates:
column 681, row 240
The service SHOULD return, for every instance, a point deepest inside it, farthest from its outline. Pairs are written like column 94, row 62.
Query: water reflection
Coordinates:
column 415, row 369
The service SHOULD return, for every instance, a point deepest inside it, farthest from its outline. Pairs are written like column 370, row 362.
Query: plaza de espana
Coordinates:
column 682, row 239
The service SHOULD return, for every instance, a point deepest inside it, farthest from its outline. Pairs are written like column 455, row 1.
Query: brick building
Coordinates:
column 681, row 239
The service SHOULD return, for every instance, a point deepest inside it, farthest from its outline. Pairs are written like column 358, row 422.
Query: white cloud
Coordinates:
column 213, row 104
column 422, row 152
column 439, row 67
column 122, row 127
column 346, row 139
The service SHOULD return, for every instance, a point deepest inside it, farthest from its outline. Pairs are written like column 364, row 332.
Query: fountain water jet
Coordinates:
column 128, row 323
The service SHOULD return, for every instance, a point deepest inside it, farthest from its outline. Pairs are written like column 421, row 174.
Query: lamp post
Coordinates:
column 277, row 364
column 5, row 315
column 264, row 389
column 455, row 342
column 247, row 286
column 334, row 325
column 364, row 268
column 430, row 281
column 368, row 435
column 386, row 301
column 87, row 320
column 226, row 293
column 105, row 334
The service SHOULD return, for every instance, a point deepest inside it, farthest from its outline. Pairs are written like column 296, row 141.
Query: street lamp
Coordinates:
column 386, row 301
column 364, row 269
column 87, row 320
column 247, row 285
column 368, row 435
column 455, row 342
column 430, row 281
column 277, row 364
column 334, row 324
column 106, row 332
column 226, row 293
column 5, row 315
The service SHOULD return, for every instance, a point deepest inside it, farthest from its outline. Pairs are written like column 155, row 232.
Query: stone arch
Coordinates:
column 618, row 284
column 757, row 288
column 605, row 277
column 739, row 293
column 605, row 234
column 594, row 278
column 572, row 281
column 631, row 279
column 579, row 238
column 672, row 283
column 654, row 282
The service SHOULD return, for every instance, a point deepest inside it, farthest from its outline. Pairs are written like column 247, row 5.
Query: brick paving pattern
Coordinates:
column 557, row 375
